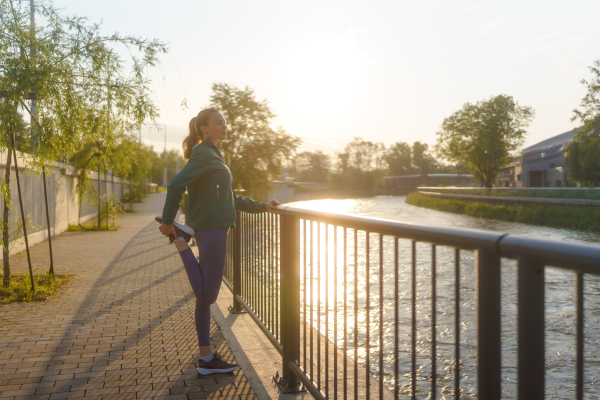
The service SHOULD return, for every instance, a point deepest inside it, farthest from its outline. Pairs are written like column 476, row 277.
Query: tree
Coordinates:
column 81, row 85
column 582, row 159
column 364, row 155
column 399, row 159
column 254, row 149
column 313, row 166
column 423, row 162
column 359, row 166
column 483, row 135
column 13, row 122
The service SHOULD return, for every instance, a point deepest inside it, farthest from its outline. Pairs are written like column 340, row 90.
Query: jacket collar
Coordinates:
column 209, row 143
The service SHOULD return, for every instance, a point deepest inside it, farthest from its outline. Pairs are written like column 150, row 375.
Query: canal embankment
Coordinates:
column 581, row 214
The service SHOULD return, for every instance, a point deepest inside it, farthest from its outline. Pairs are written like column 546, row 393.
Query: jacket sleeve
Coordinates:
column 197, row 166
column 249, row 205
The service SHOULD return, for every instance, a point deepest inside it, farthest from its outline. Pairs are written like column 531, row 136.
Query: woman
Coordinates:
column 211, row 211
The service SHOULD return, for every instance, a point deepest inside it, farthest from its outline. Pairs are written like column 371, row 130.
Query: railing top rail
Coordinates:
column 573, row 256
column 503, row 188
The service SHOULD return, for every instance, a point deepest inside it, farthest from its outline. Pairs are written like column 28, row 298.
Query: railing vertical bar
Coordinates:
column 274, row 280
column 235, row 261
column 396, row 323
column 381, row 317
column 367, row 316
column 579, row 337
column 326, row 310
column 457, row 324
column 530, row 322
column 414, row 320
column 260, row 263
column 335, row 332
column 272, row 270
column 266, row 280
column 255, row 265
column 271, row 275
column 312, row 265
column 345, row 315
column 488, row 325
column 251, row 261
column 263, row 267
column 277, row 275
column 319, row 304
column 433, row 323
column 304, row 290
column 243, row 257
column 355, row 314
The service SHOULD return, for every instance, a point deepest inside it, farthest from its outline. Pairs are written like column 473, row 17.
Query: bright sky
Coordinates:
column 384, row 70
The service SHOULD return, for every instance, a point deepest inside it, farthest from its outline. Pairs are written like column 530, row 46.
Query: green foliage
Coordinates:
column 86, row 93
column 91, row 227
column 583, row 152
column 254, row 149
column 313, row 166
column 110, row 208
column 360, row 166
column 558, row 216
column 157, row 162
column 19, row 290
column 482, row 136
column 364, row 155
column 401, row 159
column 421, row 159
column 82, row 84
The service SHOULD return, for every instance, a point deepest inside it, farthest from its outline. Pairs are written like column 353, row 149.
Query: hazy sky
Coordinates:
column 387, row 71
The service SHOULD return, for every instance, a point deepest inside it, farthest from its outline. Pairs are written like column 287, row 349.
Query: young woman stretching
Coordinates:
column 211, row 211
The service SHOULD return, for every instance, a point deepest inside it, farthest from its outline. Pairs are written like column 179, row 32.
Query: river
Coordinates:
column 560, row 309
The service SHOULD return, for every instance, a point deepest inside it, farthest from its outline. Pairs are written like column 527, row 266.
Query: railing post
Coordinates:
column 237, row 260
column 531, row 315
column 489, row 372
column 290, row 298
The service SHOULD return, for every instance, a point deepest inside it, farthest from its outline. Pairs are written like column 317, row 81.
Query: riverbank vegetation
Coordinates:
column 557, row 216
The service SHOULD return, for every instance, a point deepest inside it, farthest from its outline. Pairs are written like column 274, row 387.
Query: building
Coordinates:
column 510, row 175
column 429, row 180
column 543, row 164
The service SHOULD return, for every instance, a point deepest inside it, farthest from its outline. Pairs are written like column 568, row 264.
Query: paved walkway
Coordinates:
column 123, row 328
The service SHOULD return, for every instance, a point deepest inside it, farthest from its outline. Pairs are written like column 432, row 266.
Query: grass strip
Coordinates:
column 19, row 290
column 556, row 216
column 91, row 228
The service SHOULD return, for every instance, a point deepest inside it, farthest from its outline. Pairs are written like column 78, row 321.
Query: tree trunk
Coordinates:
column 5, row 216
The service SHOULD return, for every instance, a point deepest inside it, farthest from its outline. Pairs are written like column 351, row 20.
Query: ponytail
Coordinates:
column 195, row 135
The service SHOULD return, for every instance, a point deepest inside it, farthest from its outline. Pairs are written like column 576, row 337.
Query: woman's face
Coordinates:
column 216, row 129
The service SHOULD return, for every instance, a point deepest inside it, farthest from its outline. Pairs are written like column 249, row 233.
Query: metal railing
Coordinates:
column 331, row 293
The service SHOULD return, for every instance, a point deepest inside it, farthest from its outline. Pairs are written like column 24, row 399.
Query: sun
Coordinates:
column 323, row 70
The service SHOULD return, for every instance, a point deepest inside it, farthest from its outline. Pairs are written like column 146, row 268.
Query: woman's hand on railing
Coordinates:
column 272, row 204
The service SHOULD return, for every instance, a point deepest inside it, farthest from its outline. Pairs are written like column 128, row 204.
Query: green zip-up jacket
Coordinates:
column 209, row 183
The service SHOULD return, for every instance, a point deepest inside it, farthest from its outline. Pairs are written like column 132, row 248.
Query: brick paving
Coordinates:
column 122, row 328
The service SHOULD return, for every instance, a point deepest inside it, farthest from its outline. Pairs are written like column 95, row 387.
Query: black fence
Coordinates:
column 366, row 308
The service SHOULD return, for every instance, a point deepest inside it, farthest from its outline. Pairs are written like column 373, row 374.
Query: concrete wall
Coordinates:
column 63, row 205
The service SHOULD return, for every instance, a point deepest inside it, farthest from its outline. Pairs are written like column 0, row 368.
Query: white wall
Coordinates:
column 63, row 204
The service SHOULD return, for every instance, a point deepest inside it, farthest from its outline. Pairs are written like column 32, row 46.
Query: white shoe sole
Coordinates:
column 207, row 371
column 184, row 228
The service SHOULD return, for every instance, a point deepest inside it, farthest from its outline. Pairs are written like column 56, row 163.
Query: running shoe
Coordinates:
column 182, row 230
column 216, row 366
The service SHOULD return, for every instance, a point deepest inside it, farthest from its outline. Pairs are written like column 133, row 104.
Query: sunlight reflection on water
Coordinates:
column 327, row 279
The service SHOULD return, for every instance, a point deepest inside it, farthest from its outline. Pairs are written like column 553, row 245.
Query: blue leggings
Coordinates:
column 205, row 276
